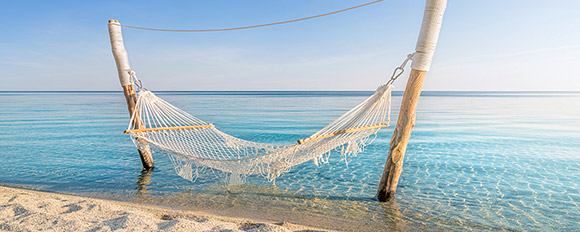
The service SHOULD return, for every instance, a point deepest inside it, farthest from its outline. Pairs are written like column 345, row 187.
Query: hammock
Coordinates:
column 195, row 147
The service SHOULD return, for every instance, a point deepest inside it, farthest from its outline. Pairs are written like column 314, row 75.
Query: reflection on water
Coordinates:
column 475, row 161
column 143, row 180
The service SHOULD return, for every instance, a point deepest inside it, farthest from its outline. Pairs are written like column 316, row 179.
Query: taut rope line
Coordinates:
column 255, row 26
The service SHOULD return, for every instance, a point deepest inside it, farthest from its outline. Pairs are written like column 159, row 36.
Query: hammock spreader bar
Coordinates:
column 301, row 141
column 167, row 128
column 345, row 131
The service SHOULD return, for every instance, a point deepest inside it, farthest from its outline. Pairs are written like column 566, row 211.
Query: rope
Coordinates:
column 255, row 26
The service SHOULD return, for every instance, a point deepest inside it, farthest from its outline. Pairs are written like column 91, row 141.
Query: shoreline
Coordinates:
column 31, row 210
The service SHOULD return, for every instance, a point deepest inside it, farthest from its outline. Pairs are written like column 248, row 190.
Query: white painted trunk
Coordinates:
column 119, row 52
column 432, row 19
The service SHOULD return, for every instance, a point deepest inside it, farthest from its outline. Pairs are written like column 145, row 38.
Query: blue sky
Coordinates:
column 484, row 45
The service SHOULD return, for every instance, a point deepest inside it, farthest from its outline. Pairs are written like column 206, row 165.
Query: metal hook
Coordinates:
column 401, row 68
column 135, row 81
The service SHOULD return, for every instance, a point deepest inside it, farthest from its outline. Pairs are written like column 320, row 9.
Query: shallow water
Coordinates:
column 476, row 160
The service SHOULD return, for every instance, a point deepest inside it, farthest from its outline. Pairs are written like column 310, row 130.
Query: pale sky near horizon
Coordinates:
column 492, row 45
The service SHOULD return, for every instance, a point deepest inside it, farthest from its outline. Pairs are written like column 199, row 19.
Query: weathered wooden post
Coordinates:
column 425, row 49
column 122, row 60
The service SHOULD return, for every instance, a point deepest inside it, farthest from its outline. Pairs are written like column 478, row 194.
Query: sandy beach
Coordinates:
column 27, row 210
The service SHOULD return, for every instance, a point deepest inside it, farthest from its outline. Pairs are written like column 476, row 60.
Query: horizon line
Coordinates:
column 115, row 91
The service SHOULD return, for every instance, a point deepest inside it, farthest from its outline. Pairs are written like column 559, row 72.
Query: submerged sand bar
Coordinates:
column 27, row 210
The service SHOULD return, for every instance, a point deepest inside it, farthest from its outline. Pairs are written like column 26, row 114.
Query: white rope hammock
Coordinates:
column 195, row 146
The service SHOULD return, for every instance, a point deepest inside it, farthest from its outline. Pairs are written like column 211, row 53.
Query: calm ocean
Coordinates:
column 476, row 160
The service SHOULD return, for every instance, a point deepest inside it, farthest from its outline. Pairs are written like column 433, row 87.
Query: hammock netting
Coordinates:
column 196, row 147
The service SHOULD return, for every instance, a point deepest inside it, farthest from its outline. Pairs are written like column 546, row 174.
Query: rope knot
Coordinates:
column 134, row 80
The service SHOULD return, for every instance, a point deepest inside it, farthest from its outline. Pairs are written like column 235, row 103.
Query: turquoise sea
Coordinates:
column 476, row 160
